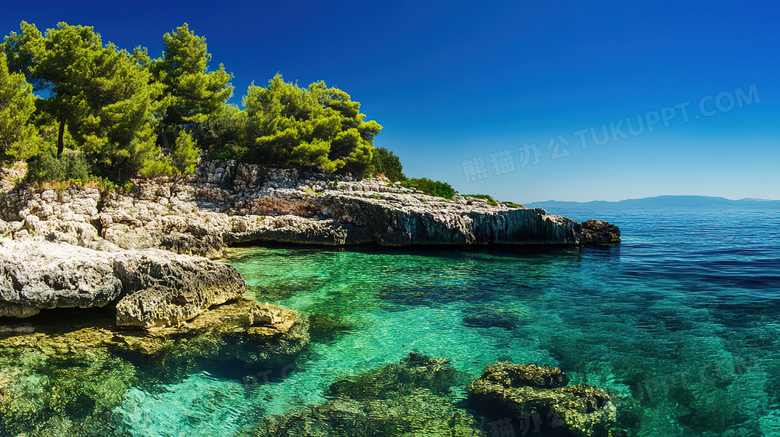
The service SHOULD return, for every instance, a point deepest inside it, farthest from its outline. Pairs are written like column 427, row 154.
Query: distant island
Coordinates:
column 666, row 202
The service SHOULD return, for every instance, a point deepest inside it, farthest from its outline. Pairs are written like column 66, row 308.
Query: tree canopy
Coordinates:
column 126, row 114
column 314, row 127
column 17, row 105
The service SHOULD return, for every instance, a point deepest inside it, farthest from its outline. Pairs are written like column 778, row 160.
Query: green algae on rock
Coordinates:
column 65, row 377
column 399, row 400
column 413, row 373
column 540, row 396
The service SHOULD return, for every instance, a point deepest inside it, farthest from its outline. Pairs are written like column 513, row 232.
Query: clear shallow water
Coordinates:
column 681, row 323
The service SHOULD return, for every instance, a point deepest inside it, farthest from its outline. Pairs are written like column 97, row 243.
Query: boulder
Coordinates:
column 163, row 288
column 600, row 232
column 540, row 398
column 153, row 287
column 42, row 275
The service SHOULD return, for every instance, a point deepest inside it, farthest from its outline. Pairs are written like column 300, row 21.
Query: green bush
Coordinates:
column 384, row 162
column 47, row 167
column 431, row 188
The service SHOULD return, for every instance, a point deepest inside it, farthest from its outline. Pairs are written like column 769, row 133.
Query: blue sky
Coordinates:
column 472, row 93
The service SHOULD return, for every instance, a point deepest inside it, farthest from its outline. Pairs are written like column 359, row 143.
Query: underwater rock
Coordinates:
column 419, row 414
column 407, row 399
column 488, row 317
column 228, row 331
column 413, row 373
column 326, row 327
column 541, row 397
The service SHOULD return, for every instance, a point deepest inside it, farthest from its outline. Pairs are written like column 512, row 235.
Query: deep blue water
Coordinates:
column 681, row 323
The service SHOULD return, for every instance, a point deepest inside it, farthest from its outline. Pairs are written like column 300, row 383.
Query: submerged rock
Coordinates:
column 487, row 317
column 413, row 373
column 540, row 397
column 407, row 399
column 61, row 376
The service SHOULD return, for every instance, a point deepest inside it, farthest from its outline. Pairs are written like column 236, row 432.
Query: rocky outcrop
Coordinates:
column 599, row 232
column 36, row 276
column 230, row 203
column 300, row 230
column 394, row 221
column 541, row 399
column 152, row 287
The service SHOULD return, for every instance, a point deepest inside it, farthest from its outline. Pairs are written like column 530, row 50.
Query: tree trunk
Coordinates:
column 61, row 137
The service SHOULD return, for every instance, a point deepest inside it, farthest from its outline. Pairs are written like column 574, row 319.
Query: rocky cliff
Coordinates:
column 229, row 203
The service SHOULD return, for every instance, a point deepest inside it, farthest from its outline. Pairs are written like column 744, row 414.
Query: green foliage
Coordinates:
column 118, row 108
column 185, row 153
column 385, row 162
column 431, row 188
column 490, row 200
column 318, row 127
column 194, row 94
column 107, row 100
column 223, row 135
column 513, row 205
column 47, row 167
column 18, row 136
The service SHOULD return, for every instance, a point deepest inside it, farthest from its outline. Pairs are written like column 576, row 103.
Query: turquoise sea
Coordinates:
column 680, row 323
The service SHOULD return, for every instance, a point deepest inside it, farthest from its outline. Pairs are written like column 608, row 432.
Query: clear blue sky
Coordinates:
column 458, row 81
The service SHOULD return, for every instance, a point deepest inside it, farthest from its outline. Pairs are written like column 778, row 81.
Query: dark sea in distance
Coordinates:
column 680, row 323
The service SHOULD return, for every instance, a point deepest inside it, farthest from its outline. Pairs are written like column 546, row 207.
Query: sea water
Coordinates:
column 680, row 323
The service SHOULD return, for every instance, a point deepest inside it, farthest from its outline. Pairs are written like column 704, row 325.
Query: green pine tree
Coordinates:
column 18, row 136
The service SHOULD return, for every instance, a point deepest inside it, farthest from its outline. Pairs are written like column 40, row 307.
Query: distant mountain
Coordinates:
column 666, row 202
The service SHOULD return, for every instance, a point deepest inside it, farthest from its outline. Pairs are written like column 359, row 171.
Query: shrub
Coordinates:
column 47, row 167
column 385, row 162
column 431, row 188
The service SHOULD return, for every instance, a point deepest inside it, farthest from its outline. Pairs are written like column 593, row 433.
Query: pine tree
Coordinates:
column 194, row 94
column 17, row 105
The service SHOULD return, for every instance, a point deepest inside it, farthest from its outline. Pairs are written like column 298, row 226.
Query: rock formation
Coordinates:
column 541, row 399
column 151, row 287
column 231, row 203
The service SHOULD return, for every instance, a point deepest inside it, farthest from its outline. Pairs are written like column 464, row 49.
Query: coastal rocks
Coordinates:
column 153, row 287
column 540, row 397
column 394, row 222
column 298, row 230
column 238, row 203
column 40, row 275
column 600, row 232
column 164, row 289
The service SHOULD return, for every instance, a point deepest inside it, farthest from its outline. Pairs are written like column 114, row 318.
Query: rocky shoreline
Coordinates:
column 78, row 247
